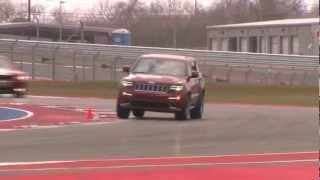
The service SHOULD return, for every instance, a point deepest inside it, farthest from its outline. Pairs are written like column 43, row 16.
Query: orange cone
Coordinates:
column 90, row 114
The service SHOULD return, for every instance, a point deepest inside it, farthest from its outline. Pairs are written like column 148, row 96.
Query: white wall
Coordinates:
column 275, row 44
column 296, row 45
column 214, row 45
column 244, row 44
column 285, row 45
column 225, row 44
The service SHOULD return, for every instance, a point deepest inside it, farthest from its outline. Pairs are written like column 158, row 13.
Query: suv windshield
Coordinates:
column 5, row 64
column 161, row 67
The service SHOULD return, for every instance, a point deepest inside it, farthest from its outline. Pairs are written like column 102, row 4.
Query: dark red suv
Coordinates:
column 12, row 81
column 162, row 83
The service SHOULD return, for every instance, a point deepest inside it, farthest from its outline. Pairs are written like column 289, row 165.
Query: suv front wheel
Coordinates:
column 197, row 111
column 184, row 114
column 122, row 113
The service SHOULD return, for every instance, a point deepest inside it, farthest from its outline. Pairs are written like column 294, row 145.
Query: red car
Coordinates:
column 12, row 81
column 162, row 83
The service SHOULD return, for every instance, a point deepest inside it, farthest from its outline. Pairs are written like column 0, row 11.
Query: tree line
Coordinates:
column 170, row 23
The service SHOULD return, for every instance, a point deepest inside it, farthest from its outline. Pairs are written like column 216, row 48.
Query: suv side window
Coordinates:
column 194, row 66
column 189, row 68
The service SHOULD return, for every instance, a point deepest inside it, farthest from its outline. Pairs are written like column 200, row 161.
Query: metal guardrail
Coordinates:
column 75, row 61
column 132, row 52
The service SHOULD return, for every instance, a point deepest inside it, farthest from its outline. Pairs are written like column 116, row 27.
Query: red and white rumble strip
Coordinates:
column 268, row 166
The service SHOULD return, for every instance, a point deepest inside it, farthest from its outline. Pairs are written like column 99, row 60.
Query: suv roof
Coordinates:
column 168, row 56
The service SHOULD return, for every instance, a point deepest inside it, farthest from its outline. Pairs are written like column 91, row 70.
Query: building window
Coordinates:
column 233, row 44
column 262, row 45
column 270, row 44
column 253, row 44
column 219, row 44
column 281, row 45
column 294, row 45
column 211, row 44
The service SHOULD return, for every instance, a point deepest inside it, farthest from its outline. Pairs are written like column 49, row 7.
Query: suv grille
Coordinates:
column 151, row 87
column 148, row 104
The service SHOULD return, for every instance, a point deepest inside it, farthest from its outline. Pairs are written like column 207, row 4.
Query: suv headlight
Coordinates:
column 176, row 87
column 126, row 83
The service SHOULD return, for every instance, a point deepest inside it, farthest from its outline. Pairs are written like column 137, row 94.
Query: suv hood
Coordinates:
column 159, row 79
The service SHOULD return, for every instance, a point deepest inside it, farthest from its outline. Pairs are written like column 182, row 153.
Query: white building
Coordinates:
column 287, row 36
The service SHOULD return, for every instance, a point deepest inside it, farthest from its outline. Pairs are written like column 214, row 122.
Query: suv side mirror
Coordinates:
column 195, row 74
column 126, row 69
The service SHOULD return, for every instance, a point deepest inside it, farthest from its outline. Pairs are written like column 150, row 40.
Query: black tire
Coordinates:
column 184, row 114
column 197, row 111
column 19, row 95
column 122, row 113
column 138, row 113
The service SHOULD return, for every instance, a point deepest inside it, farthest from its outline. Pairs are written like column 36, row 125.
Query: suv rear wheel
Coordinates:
column 122, row 113
column 196, row 113
column 138, row 113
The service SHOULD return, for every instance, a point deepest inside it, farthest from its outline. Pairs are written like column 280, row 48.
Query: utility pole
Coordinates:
column 195, row 7
column 29, row 10
column 81, row 31
column 60, row 20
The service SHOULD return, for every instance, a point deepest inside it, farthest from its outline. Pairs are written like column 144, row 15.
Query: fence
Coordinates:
column 78, row 62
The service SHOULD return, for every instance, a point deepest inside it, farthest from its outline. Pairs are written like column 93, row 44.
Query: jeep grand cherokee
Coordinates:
column 162, row 83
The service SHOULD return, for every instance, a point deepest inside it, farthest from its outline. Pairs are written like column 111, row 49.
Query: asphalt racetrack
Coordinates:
column 281, row 139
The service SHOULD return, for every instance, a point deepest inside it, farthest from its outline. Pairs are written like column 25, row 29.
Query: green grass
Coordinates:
column 221, row 93
column 258, row 94
column 104, row 89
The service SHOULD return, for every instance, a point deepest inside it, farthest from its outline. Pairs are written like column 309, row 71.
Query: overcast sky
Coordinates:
column 84, row 5
column 87, row 4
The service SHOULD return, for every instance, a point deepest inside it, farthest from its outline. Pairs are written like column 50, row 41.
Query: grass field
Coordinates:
column 221, row 93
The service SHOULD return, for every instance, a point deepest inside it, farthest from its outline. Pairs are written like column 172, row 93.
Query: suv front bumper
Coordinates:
column 149, row 101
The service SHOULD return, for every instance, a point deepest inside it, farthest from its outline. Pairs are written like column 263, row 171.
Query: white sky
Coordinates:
column 84, row 5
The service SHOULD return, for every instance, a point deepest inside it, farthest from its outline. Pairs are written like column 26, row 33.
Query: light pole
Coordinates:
column 60, row 19
column 37, row 28
column 29, row 10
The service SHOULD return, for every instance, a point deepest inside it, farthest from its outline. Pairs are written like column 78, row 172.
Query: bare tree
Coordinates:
column 279, row 9
column 157, row 7
column 7, row 10
column 61, row 16
column 315, row 10
column 175, row 10
column 37, row 12
column 105, row 10
column 120, row 13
